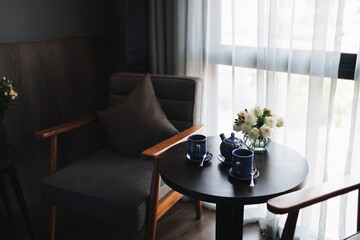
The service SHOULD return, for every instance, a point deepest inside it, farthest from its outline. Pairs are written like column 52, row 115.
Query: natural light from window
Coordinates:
column 242, row 83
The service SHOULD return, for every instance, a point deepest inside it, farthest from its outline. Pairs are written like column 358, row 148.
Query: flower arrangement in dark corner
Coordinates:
column 7, row 96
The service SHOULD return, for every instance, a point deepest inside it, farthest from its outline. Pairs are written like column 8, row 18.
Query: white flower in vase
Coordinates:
column 245, row 128
column 257, row 126
column 279, row 122
column 250, row 119
column 257, row 111
column 237, row 127
column 270, row 121
column 265, row 131
column 254, row 133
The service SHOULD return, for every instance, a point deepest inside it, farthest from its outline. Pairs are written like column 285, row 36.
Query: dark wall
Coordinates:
column 24, row 20
column 124, row 21
column 128, row 34
column 59, row 55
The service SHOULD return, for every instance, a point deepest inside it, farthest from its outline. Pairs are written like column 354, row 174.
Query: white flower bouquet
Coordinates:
column 257, row 125
column 7, row 96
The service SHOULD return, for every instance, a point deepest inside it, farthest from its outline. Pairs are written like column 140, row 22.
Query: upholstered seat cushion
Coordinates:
column 105, row 185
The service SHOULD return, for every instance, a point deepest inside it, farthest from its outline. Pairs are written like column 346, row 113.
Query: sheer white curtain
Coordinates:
column 282, row 54
column 285, row 55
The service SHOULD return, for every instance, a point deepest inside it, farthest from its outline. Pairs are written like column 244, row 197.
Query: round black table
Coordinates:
column 281, row 170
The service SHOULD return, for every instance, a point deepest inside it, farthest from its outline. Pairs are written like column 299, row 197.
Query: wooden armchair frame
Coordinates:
column 157, row 207
column 292, row 202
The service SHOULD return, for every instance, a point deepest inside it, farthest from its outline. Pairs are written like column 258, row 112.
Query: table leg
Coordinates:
column 229, row 222
column 5, row 197
column 20, row 197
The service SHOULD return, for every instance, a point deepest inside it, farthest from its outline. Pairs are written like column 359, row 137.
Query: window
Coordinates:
column 255, row 40
column 243, row 31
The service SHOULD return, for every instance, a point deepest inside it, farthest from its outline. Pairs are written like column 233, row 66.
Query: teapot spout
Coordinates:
column 222, row 136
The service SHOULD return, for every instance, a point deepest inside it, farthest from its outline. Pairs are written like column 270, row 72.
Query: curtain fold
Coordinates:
column 279, row 54
column 349, row 155
column 333, row 85
column 168, row 36
column 317, row 66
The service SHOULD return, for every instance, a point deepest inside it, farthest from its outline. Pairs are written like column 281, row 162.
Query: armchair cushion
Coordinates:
column 118, row 185
column 138, row 122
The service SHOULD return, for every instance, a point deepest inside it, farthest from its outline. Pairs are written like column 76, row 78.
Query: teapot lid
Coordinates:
column 232, row 139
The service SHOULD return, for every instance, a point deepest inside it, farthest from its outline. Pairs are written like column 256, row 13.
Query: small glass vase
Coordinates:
column 259, row 145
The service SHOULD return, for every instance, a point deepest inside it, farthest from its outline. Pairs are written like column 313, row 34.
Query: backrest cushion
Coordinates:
column 137, row 122
column 179, row 97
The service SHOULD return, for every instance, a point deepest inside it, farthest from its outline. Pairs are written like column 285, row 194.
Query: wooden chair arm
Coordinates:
column 156, row 150
column 64, row 127
column 54, row 131
column 294, row 201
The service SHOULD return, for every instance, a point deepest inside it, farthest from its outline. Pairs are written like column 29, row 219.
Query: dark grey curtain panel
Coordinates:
column 167, row 36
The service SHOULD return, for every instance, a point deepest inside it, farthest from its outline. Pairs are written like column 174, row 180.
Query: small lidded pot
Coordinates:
column 228, row 145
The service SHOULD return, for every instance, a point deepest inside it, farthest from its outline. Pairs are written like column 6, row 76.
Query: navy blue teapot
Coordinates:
column 228, row 145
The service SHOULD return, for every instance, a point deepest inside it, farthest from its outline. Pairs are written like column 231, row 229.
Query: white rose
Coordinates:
column 250, row 119
column 280, row 122
column 5, row 93
column 270, row 121
column 245, row 128
column 254, row 133
column 237, row 127
column 265, row 131
column 257, row 111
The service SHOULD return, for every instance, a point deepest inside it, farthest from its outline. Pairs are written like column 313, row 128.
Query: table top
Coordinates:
column 281, row 170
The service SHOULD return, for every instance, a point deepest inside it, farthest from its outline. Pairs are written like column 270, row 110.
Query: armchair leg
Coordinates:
column 154, row 203
column 358, row 213
column 52, row 221
column 198, row 209
column 290, row 225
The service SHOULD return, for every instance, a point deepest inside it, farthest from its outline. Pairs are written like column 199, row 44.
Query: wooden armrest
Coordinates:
column 156, row 150
column 294, row 201
column 64, row 127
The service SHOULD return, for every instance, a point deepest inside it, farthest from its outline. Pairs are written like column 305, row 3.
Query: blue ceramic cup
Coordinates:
column 243, row 160
column 196, row 147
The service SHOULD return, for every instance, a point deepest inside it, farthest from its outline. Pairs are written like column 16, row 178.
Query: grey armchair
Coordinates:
column 124, row 188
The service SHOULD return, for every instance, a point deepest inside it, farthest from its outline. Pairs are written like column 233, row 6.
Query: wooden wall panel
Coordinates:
column 57, row 81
